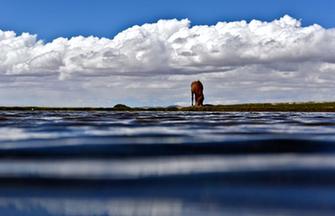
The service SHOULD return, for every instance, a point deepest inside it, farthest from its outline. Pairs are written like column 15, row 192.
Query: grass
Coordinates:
column 270, row 107
column 256, row 107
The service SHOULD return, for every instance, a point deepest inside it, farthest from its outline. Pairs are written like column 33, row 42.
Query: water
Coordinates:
column 167, row 163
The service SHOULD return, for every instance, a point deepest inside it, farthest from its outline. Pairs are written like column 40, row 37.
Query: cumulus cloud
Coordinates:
column 277, row 56
column 171, row 46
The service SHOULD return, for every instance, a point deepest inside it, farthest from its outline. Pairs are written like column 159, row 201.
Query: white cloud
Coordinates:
column 240, row 61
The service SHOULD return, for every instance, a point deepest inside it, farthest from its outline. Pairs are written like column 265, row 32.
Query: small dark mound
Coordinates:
column 121, row 107
column 172, row 108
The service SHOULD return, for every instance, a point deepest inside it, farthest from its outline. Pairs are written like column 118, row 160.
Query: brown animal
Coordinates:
column 197, row 90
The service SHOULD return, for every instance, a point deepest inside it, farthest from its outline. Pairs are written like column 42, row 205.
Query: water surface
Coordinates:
column 167, row 163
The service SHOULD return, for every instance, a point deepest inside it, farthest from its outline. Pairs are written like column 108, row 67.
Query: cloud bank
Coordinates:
column 271, row 59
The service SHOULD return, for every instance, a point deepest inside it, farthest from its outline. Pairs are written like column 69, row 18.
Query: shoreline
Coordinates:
column 251, row 107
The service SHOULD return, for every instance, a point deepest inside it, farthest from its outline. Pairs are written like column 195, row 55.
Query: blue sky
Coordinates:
column 153, row 49
column 52, row 19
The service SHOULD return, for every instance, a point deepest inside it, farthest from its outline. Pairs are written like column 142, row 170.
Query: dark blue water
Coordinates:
column 174, row 163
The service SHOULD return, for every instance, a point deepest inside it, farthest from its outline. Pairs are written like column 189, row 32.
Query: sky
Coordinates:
column 146, row 53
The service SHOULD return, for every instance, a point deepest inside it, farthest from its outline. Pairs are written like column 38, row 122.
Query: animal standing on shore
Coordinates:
column 197, row 90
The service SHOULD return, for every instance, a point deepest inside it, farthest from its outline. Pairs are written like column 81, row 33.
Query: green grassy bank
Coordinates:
column 257, row 107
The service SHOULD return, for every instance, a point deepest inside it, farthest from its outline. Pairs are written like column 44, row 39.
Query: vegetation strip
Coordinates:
column 255, row 107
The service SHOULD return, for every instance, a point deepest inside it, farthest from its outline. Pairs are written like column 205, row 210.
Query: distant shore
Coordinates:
column 252, row 107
